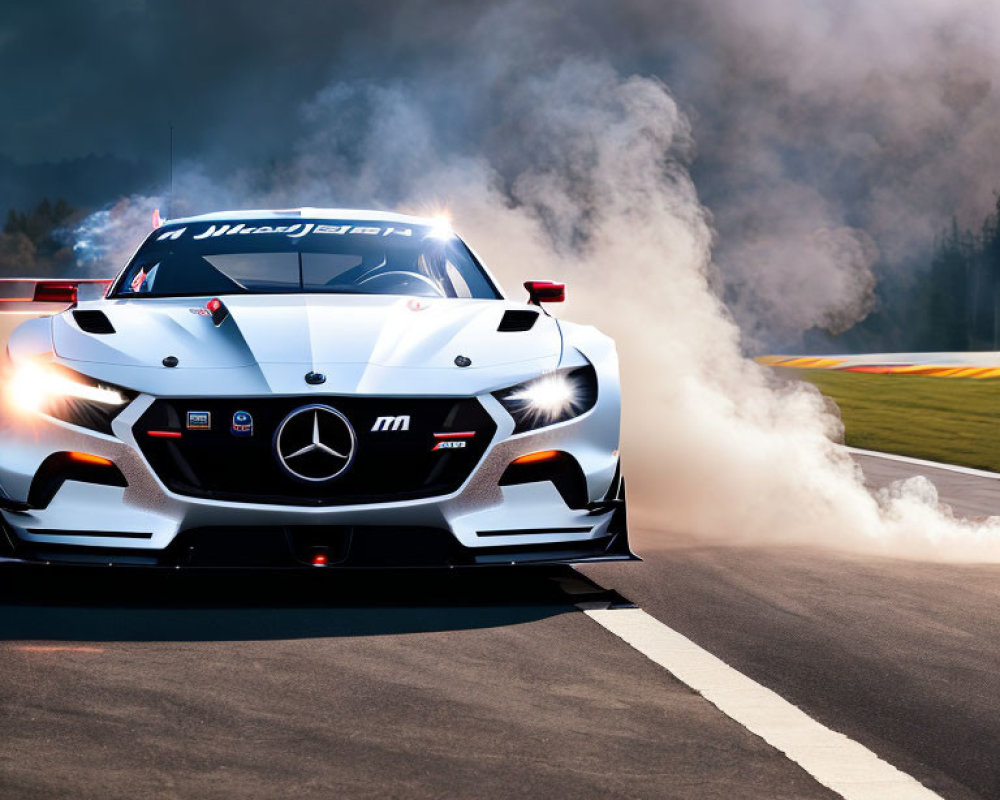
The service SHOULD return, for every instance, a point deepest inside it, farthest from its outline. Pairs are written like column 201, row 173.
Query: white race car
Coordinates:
column 309, row 388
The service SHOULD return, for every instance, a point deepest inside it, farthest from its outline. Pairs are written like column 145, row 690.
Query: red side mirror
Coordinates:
column 55, row 292
column 545, row 292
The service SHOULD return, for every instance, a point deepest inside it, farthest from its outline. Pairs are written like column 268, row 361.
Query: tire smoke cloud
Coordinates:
column 836, row 139
column 564, row 167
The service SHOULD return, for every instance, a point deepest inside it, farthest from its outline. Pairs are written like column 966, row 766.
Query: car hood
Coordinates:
column 362, row 344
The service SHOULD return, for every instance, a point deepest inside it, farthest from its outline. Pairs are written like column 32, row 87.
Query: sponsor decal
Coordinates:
column 199, row 420
column 452, row 441
column 201, row 312
column 417, row 305
column 401, row 423
column 177, row 233
column 294, row 231
column 242, row 424
column 450, row 444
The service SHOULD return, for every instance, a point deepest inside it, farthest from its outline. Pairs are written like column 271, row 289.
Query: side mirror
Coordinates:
column 545, row 292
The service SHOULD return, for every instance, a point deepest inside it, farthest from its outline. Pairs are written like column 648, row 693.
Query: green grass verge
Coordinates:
column 954, row 420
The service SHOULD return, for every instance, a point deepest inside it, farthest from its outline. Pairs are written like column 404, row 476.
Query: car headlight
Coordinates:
column 550, row 398
column 59, row 392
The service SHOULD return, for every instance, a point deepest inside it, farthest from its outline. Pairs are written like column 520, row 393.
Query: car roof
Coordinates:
column 308, row 213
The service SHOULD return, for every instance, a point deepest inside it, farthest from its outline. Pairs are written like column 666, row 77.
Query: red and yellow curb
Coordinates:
column 847, row 365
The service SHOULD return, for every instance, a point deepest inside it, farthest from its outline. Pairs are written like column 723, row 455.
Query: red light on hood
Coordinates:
column 214, row 304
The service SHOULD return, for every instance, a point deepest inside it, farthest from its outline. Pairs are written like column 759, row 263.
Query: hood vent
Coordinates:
column 514, row 321
column 93, row 321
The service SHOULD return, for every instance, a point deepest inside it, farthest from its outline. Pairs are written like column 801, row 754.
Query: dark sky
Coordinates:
column 95, row 86
column 84, row 78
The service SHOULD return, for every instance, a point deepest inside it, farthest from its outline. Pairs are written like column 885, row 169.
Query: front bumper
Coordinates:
column 480, row 523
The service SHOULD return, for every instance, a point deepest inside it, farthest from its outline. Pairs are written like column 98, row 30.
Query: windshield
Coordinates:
column 282, row 256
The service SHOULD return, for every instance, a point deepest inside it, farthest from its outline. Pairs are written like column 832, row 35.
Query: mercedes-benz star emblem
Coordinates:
column 315, row 443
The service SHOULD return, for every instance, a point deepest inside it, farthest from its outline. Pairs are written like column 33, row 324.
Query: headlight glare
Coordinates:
column 33, row 386
column 551, row 398
column 67, row 395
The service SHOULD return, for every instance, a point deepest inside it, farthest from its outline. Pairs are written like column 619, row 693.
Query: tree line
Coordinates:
column 961, row 295
column 38, row 242
column 946, row 299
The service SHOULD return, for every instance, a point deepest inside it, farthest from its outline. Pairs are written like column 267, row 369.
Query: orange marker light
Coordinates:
column 531, row 458
column 87, row 458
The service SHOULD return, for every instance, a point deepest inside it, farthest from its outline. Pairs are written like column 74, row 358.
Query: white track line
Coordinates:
column 981, row 473
column 841, row 764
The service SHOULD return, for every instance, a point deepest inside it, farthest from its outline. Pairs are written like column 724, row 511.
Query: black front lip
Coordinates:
column 182, row 555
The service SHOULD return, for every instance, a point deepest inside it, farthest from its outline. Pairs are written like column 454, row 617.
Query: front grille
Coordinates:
column 396, row 462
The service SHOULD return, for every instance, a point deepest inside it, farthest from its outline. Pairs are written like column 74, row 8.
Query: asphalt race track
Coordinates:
column 115, row 684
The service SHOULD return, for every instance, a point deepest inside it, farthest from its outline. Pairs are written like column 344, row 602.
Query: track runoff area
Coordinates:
column 704, row 672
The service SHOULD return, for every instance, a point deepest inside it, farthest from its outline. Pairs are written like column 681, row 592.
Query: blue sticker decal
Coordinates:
column 242, row 424
column 199, row 421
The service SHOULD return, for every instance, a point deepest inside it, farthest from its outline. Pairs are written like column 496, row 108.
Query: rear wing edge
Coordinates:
column 48, row 295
